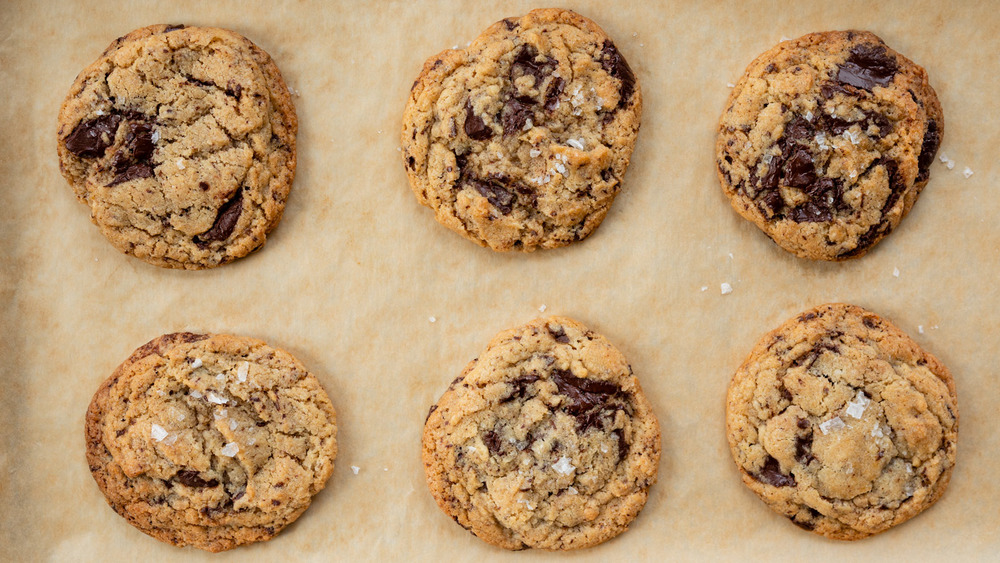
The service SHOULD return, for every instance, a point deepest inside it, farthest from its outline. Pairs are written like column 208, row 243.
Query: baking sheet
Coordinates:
column 350, row 280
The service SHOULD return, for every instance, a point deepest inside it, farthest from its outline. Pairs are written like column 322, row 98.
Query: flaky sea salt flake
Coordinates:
column 856, row 408
column 832, row 425
column 967, row 172
column 155, row 137
column 877, row 431
column 196, row 394
column 180, row 164
column 355, row 469
column 576, row 144
column 157, row 432
column 534, row 153
column 432, row 319
column 895, row 272
column 726, row 288
column 563, row 466
column 230, row 449
column 216, row 399
column 542, row 308
column 232, row 425
column 243, row 371
column 196, row 363
column 920, row 329
column 220, row 414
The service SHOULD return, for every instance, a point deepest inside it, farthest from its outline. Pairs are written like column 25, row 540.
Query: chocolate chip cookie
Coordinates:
column 827, row 141
column 213, row 441
column 840, row 422
column 545, row 441
column 182, row 142
column 521, row 140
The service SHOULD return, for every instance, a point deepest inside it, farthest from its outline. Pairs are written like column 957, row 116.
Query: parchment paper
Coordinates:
column 350, row 279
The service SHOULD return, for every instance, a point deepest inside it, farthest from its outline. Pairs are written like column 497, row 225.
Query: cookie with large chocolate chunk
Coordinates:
column 842, row 423
column 545, row 441
column 212, row 441
column 521, row 140
column 826, row 142
column 181, row 140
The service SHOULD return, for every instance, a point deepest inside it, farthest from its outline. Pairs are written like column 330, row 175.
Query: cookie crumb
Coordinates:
column 856, row 408
column 355, row 469
column 157, row 432
column 230, row 449
column 832, row 425
column 726, row 288
column 967, row 172
column 243, row 371
column 563, row 466
column 196, row 363
column 542, row 308
column 895, row 272
column 432, row 319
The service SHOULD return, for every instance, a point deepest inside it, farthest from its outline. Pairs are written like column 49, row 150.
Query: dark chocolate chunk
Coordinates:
column 496, row 193
column 528, row 193
column 771, row 474
column 867, row 66
column 225, row 221
column 799, row 170
column 430, row 411
column 234, row 89
column 804, row 525
column 475, row 127
column 798, row 129
column 880, row 121
column 583, row 394
column 511, row 24
column 194, row 480
column 174, row 27
column 515, row 113
column 132, row 161
column 89, row 139
column 616, row 65
column 492, row 442
column 824, row 196
column 876, row 232
column 802, row 423
column 929, row 148
column 803, row 450
column 520, row 386
column 828, row 89
column 553, row 92
column 525, row 63
column 559, row 334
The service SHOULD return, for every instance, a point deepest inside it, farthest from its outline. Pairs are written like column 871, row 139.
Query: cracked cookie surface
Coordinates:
column 843, row 424
column 545, row 441
column 181, row 140
column 826, row 142
column 521, row 140
column 212, row 441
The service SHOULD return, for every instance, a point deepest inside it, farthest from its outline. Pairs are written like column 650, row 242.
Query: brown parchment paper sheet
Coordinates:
column 349, row 281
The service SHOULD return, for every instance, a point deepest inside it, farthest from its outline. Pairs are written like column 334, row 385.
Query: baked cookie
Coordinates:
column 826, row 142
column 521, row 140
column 839, row 421
column 545, row 441
column 182, row 142
column 213, row 441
